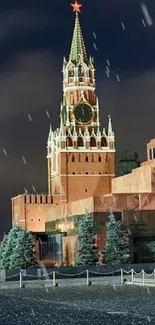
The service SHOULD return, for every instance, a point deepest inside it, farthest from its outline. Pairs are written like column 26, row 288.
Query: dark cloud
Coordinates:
column 131, row 104
column 13, row 21
column 28, row 83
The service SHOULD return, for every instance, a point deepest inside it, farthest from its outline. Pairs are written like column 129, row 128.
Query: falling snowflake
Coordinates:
column 30, row 118
column 25, row 190
column 107, row 68
column 34, row 190
column 117, row 77
column 148, row 290
column 5, row 153
column 94, row 35
column 135, row 217
column 95, row 46
column 122, row 25
column 39, row 208
column 146, row 14
column 47, row 113
column 129, row 231
column 108, row 62
column 46, row 289
column 40, row 241
column 148, row 318
column 114, row 287
column 107, row 73
column 143, row 22
column 24, row 160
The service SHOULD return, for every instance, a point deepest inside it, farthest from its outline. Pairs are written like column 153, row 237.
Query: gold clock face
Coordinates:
column 83, row 113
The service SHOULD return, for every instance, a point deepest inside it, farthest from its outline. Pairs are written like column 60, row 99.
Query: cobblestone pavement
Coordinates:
column 80, row 305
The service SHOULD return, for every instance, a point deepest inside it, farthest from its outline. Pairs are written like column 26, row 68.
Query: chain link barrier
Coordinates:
column 105, row 273
column 12, row 276
column 149, row 274
column 138, row 273
column 127, row 272
column 65, row 274
column 88, row 274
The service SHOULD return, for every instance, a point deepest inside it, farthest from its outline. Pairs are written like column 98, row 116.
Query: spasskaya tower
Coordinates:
column 81, row 156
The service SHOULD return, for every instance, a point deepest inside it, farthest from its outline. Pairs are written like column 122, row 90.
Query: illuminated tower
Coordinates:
column 81, row 157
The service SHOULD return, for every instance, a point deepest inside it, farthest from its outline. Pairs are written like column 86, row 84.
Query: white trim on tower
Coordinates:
column 78, row 88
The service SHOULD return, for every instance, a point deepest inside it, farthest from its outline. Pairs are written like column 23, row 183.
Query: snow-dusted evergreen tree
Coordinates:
column 18, row 251
column 23, row 255
column 87, row 252
column 2, row 249
column 116, row 249
column 12, row 237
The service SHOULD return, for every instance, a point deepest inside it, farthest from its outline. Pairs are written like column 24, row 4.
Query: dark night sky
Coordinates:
column 34, row 37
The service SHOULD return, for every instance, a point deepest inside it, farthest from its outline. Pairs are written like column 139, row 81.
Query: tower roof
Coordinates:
column 78, row 48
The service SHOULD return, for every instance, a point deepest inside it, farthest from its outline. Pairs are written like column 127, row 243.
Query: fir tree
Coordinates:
column 87, row 253
column 10, row 246
column 116, row 249
column 18, row 249
column 23, row 255
column 2, row 249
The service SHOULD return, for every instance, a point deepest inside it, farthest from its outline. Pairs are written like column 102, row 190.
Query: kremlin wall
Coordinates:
column 135, row 207
column 81, row 173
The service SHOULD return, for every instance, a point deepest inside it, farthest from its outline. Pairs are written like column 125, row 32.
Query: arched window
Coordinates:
column 73, row 158
column 80, row 71
column 80, row 158
column 92, row 141
column 86, row 159
column 71, row 73
column 69, row 142
column 103, row 142
column 99, row 159
column 80, row 141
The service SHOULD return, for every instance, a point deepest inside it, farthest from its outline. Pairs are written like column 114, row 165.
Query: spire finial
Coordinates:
column 110, row 131
column 76, row 6
column 77, row 47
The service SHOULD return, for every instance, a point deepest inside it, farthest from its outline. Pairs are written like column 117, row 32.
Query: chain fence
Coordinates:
column 86, row 277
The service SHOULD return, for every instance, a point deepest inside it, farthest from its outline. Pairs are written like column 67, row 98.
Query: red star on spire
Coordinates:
column 76, row 6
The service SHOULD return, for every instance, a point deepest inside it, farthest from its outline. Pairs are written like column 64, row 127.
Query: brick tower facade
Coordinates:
column 80, row 156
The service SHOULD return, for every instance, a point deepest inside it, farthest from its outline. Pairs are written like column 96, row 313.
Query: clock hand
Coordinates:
column 83, row 114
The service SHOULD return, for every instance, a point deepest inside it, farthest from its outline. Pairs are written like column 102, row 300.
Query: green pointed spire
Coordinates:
column 78, row 46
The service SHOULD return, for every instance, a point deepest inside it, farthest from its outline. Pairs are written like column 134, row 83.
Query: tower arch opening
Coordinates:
column 80, row 141
column 69, row 141
column 103, row 142
column 80, row 71
column 92, row 141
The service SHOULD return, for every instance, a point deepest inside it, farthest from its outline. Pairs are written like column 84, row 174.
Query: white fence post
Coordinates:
column 88, row 282
column 54, row 280
column 132, row 276
column 143, row 277
column 39, row 273
column 87, row 278
column 2, row 275
column 122, row 276
column 20, row 279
